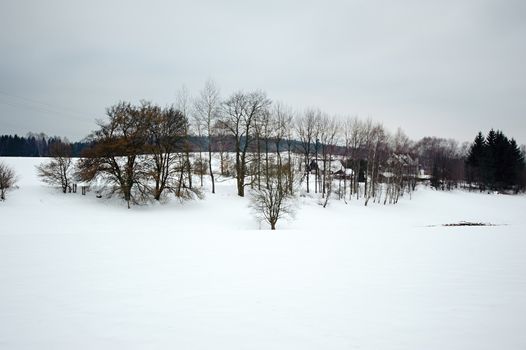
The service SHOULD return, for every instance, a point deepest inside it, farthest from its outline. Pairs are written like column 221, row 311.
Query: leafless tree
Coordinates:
column 183, row 105
column 401, row 142
column 377, row 139
column 199, row 163
column 360, row 138
column 59, row 170
column 353, row 139
column 443, row 159
column 272, row 203
column 221, row 136
column 330, row 140
column 328, row 134
column 114, row 158
column 282, row 119
column 208, row 108
column 404, row 165
column 306, row 132
column 166, row 131
column 267, row 127
column 7, row 179
column 366, row 128
column 240, row 112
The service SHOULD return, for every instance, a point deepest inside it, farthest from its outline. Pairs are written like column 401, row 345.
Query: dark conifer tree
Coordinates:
column 475, row 158
column 495, row 162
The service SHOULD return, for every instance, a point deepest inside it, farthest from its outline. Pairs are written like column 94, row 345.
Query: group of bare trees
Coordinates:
column 146, row 152
column 259, row 134
column 139, row 153
column 354, row 158
column 444, row 161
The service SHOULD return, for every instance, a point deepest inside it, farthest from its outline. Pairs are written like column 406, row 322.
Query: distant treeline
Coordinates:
column 38, row 145
column 34, row 145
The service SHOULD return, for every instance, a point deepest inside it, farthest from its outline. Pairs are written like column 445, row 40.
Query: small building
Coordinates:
column 333, row 165
column 344, row 173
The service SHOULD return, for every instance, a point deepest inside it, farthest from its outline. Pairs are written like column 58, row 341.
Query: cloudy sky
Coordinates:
column 435, row 68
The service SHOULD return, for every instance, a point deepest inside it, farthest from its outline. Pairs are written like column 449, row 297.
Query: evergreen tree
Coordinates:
column 475, row 158
column 495, row 162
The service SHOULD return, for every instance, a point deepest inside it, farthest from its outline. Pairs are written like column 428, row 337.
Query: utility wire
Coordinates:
column 23, row 102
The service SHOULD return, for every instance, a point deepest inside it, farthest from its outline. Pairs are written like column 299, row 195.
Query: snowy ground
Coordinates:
column 77, row 272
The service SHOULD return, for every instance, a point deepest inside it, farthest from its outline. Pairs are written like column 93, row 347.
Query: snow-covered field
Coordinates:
column 77, row 272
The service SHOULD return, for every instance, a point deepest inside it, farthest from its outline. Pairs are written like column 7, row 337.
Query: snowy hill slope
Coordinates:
column 87, row 273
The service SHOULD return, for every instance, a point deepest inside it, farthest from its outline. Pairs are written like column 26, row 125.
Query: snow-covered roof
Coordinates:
column 334, row 165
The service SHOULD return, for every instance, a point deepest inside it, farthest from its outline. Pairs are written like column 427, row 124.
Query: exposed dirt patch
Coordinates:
column 467, row 223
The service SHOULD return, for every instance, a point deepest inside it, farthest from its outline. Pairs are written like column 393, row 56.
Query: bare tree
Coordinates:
column 183, row 105
column 221, row 136
column 306, row 129
column 272, row 202
column 7, row 179
column 329, row 141
column 367, row 133
column 59, row 170
column 199, row 163
column 353, row 139
column 266, row 130
column 282, row 132
column 166, row 131
column 239, row 115
column 114, row 156
column 377, row 139
column 443, row 159
column 207, row 108
column 359, row 137
column 327, row 134
column 405, row 164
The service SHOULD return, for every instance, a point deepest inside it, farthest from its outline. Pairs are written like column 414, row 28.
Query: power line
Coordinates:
column 27, row 103
column 39, row 102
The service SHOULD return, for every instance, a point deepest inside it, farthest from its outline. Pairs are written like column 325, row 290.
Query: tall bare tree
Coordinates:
column 330, row 140
column 221, row 136
column 306, row 132
column 355, row 137
column 282, row 124
column 239, row 115
column 327, row 134
column 166, row 129
column 367, row 132
column 183, row 105
column 207, row 109
column 377, row 139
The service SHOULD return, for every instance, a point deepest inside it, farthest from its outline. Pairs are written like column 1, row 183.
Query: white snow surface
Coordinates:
column 78, row 272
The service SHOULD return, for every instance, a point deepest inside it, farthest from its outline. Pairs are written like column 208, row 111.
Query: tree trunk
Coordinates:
column 188, row 165
column 210, row 167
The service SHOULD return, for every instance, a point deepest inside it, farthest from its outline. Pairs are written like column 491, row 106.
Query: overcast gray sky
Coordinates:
column 436, row 68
